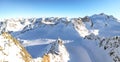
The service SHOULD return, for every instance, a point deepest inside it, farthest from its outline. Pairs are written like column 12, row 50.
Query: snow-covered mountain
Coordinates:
column 87, row 39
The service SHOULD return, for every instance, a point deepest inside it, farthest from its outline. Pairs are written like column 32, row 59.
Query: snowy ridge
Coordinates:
column 11, row 50
column 56, row 52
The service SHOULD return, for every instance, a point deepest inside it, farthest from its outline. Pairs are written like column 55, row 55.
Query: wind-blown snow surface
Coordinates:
column 36, row 34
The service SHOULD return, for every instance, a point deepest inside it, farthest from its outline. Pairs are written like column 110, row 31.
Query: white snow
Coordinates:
column 27, row 43
column 95, row 31
column 10, row 52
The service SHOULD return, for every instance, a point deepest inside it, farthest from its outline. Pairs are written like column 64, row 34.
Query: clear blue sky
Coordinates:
column 61, row 8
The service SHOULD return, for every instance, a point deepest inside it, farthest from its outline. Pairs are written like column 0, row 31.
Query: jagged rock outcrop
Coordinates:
column 112, row 45
column 56, row 52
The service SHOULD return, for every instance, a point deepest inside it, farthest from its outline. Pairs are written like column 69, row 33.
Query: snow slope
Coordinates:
column 11, row 50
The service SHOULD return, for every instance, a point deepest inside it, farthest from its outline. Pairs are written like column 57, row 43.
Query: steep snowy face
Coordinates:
column 56, row 52
column 11, row 50
column 80, row 27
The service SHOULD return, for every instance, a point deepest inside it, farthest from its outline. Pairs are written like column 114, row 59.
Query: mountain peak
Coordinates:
column 56, row 52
